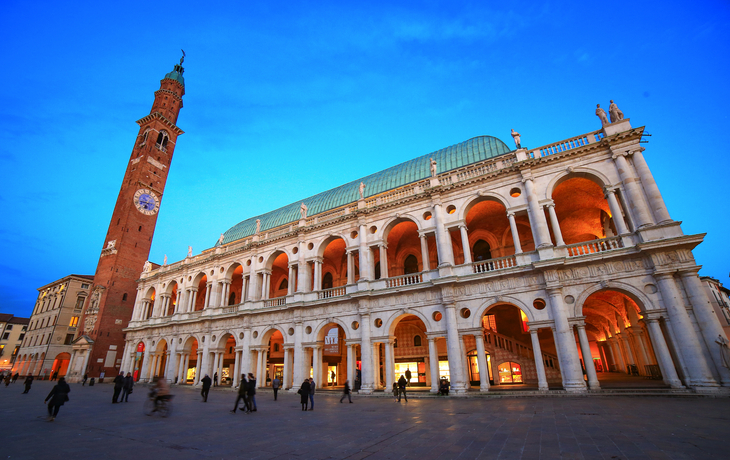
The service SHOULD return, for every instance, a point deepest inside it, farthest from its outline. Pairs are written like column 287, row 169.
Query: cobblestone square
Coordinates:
column 616, row 427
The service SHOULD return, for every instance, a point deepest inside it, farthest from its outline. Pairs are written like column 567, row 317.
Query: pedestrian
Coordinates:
column 206, row 387
column 28, row 382
column 346, row 392
column 127, row 387
column 312, row 386
column 408, row 375
column 333, row 377
column 444, row 387
column 15, row 377
column 252, row 392
column 83, row 382
column 304, row 394
column 57, row 396
column 118, row 384
column 275, row 385
column 402, row 388
column 7, row 379
column 215, row 379
column 242, row 395
column 55, row 376
column 395, row 391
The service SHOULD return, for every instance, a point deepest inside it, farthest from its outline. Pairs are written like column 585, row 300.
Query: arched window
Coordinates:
column 232, row 299
column 162, row 139
column 284, row 284
column 410, row 265
column 144, row 137
column 417, row 341
column 481, row 251
column 327, row 281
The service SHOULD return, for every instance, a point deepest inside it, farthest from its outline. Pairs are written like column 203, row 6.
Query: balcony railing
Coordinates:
column 332, row 292
column 277, row 302
column 562, row 146
column 404, row 280
column 494, row 264
column 594, row 246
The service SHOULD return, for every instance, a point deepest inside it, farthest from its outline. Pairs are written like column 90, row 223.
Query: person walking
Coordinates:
column 15, row 377
column 215, row 379
column 304, row 394
column 252, row 392
column 346, row 392
column 83, row 382
column 57, row 396
column 206, row 387
column 7, row 379
column 242, row 395
column 402, row 388
column 275, row 385
column 312, row 386
column 28, row 382
column 118, row 384
column 127, row 387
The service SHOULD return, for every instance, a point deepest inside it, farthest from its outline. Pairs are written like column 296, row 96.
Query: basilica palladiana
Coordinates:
column 477, row 264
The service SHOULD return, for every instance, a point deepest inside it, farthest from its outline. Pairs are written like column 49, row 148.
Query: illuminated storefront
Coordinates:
column 510, row 372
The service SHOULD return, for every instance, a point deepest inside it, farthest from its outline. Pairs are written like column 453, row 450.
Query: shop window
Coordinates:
column 510, row 372
column 481, row 251
column 410, row 265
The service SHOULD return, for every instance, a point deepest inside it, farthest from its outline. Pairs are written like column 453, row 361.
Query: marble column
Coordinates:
column 350, row 268
column 299, row 355
column 376, row 366
column 585, row 349
column 363, row 253
column 458, row 381
column 616, row 214
column 208, row 286
column 318, row 274
column 565, row 344
column 383, row 248
column 538, row 223
column 198, row 367
column 443, row 239
column 482, row 361
column 556, row 225
column 539, row 363
column 286, row 378
column 350, row 365
column 236, row 367
column 145, row 364
column 290, row 280
column 389, row 366
column 664, row 358
column 515, row 233
column 465, row 244
column 425, row 261
column 317, row 366
column 656, row 202
column 634, row 192
column 699, row 371
column 709, row 325
column 617, row 354
column 367, row 373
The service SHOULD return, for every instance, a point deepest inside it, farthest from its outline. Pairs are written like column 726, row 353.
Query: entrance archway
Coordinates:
column 138, row 361
column 188, row 367
column 60, row 364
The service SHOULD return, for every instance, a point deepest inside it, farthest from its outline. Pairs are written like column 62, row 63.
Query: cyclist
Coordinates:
column 160, row 392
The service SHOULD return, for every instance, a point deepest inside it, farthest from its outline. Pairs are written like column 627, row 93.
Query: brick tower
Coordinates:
column 99, row 342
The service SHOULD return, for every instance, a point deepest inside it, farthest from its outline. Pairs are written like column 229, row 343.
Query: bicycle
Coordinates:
column 161, row 405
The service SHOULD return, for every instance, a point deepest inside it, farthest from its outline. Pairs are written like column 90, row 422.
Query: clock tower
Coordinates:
column 99, row 343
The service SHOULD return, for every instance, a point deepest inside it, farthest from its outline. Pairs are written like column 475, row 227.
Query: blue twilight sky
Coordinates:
column 285, row 100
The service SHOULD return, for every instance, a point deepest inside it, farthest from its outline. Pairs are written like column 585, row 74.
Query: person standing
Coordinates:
column 83, row 382
column 15, row 377
column 28, row 382
column 242, row 395
column 206, row 387
column 402, row 388
column 275, row 385
column 7, row 379
column 408, row 375
column 395, row 392
column 304, row 394
column 346, row 392
column 118, row 384
column 333, row 377
column 127, row 387
column 312, row 386
column 251, row 392
column 215, row 379
column 57, row 396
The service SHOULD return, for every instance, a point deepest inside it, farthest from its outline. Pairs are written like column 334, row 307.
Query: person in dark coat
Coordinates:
column 242, row 395
column 118, row 384
column 346, row 392
column 304, row 394
column 252, row 392
column 215, row 379
column 206, row 387
column 15, row 377
column 275, row 384
column 28, row 382
column 57, row 396
column 312, row 386
column 402, row 388
column 127, row 387
column 83, row 382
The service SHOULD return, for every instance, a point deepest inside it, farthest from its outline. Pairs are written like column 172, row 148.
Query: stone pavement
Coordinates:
column 90, row 427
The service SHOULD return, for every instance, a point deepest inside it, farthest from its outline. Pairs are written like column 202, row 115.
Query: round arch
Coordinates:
column 151, row 291
column 393, row 221
column 395, row 318
column 640, row 298
column 170, row 287
column 265, row 336
column 482, row 196
column 269, row 261
column 319, row 329
column 160, row 345
column 501, row 300
column 322, row 245
column 223, row 338
column 228, row 271
column 580, row 172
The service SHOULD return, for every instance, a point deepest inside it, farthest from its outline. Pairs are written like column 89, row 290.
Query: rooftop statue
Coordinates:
column 190, row 251
column 220, row 240
column 183, row 56
column 600, row 113
column 147, row 267
column 303, row 210
column 434, row 167
column 165, row 261
column 362, row 190
column 516, row 137
column 616, row 114
column 258, row 225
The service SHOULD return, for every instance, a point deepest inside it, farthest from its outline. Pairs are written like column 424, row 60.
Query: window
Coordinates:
column 9, row 327
column 84, row 286
column 79, row 303
column 488, row 322
column 276, row 347
column 69, row 339
column 417, row 341
column 2, row 347
column 410, row 265
column 21, row 337
column 481, row 251
column 162, row 139
column 6, row 335
column 74, row 321
column 232, row 299
column 124, row 297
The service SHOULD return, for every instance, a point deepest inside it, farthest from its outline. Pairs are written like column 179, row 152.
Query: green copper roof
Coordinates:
column 468, row 152
column 176, row 74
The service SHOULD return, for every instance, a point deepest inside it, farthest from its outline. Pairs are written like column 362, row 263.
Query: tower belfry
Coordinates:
column 99, row 341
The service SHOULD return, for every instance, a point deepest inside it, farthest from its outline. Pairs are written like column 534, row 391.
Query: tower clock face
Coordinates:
column 146, row 201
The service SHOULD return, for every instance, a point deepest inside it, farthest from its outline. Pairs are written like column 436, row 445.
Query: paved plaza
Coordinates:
column 616, row 427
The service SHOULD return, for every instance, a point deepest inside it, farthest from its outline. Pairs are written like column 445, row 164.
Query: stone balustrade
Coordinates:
column 332, row 292
column 562, row 146
column 494, row 264
column 594, row 246
column 404, row 280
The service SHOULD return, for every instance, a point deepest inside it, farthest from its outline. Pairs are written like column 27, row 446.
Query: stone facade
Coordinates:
column 719, row 297
column 568, row 248
column 12, row 333
column 56, row 317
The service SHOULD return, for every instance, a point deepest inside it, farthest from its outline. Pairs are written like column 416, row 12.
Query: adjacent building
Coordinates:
column 12, row 333
column 719, row 297
column 46, row 347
